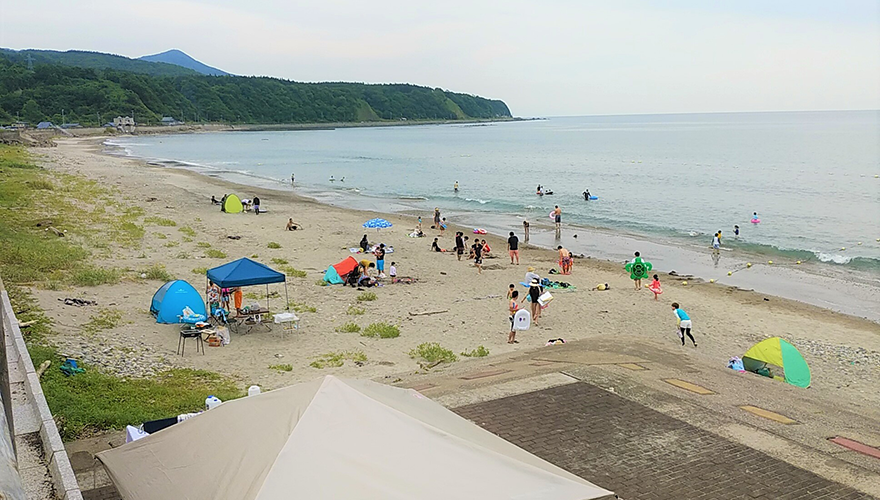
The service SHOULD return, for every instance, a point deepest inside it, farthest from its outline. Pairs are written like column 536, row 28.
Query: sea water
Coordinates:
column 671, row 180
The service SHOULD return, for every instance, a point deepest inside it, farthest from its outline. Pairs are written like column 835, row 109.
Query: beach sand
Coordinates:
column 843, row 351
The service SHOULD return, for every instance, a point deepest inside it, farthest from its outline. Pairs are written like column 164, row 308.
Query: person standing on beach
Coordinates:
column 716, row 242
column 637, row 281
column 533, row 295
column 256, row 205
column 459, row 244
column 526, row 230
column 437, row 218
column 513, row 248
column 512, row 307
column 557, row 215
column 380, row 259
column 564, row 259
column 478, row 255
column 684, row 323
column 442, row 226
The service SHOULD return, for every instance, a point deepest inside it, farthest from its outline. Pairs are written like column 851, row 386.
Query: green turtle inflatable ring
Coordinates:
column 638, row 269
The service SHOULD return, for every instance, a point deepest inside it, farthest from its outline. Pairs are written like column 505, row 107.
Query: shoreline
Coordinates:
column 838, row 290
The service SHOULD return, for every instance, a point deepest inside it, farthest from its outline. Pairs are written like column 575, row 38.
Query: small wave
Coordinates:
column 411, row 198
column 531, row 207
column 833, row 258
column 481, row 202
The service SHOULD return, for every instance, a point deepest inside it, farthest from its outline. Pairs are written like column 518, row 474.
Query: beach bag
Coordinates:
column 545, row 299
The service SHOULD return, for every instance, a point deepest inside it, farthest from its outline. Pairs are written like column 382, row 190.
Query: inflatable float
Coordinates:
column 480, row 230
column 756, row 220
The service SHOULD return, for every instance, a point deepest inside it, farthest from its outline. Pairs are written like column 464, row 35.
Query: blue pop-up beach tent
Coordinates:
column 246, row 272
column 172, row 298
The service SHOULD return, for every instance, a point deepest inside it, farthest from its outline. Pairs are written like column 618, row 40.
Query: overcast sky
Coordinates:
column 543, row 58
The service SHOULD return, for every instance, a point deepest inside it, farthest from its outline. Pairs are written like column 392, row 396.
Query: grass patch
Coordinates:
column 321, row 282
column 381, row 330
column 95, row 276
column 349, row 327
column 255, row 256
column 337, row 359
column 292, row 271
column 171, row 244
column 203, row 244
column 93, row 402
column 156, row 272
column 186, row 239
column 43, row 184
column 301, row 307
column 282, row 368
column 279, row 262
column 431, row 352
column 182, row 256
column 200, row 270
column 213, row 253
column 187, row 231
column 159, row 221
column 366, row 297
column 355, row 311
column 104, row 319
column 479, row 352
column 161, row 236
column 273, row 244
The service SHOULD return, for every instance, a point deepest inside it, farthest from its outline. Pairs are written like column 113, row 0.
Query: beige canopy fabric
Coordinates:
column 335, row 439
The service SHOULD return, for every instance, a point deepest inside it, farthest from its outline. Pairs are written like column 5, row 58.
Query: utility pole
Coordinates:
column 62, row 117
column 30, row 62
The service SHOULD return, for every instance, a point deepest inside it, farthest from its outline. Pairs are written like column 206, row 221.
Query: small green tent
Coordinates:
column 232, row 204
column 778, row 352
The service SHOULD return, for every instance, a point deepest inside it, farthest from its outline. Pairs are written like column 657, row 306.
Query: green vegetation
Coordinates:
column 104, row 319
column 337, row 359
column 213, row 253
column 349, row 327
column 292, row 271
column 280, row 262
column 203, row 244
column 366, row 297
column 273, row 244
column 381, row 330
column 96, row 60
column 171, row 244
column 479, row 352
column 91, row 402
column 301, row 307
column 187, row 231
column 431, row 352
column 86, row 93
column 159, row 221
column 200, row 270
column 355, row 311
column 282, row 368
column 157, row 272
column 161, row 236
column 95, row 276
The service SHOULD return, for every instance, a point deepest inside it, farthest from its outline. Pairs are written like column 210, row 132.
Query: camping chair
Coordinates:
column 190, row 332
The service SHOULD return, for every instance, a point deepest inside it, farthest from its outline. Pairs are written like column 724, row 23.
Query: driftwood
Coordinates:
column 56, row 231
column 428, row 313
column 27, row 323
column 43, row 367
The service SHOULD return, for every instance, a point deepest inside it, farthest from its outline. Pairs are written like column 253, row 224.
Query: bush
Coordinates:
column 349, row 327
column 273, row 244
column 366, row 297
column 200, row 270
column 282, row 368
column 95, row 276
column 479, row 352
column 355, row 311
column 213, row 253
column 381, row 330
column 160, row 221
column 431, row 352
column 337, row 359
column 156, row 272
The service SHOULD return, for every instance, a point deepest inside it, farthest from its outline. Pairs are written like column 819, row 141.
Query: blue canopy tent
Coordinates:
column 172, row 298
column 246, row 272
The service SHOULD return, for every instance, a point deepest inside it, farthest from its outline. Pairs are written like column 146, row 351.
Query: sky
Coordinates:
column 547, row 58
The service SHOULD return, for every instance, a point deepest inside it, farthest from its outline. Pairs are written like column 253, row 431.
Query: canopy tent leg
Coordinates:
column 286, row 297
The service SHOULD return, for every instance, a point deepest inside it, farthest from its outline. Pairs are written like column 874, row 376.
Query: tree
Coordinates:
column 30, row 112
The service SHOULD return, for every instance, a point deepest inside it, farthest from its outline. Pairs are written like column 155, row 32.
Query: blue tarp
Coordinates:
column 171, row 299
column 332, row 276
column 244, row 272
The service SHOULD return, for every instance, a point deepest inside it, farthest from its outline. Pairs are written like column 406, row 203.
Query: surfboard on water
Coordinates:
column 522, row 320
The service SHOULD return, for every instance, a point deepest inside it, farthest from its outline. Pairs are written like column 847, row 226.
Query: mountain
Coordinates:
column 95, row 60
column 180, row 58
column 91, row 96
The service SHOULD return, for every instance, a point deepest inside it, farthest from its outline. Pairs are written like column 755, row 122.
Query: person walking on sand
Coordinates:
column 716, row 242
column 526, row 230
column 512, row 307
column 513, row 248
column 564, row 259
column 256, row 203
column 478, row 255
column 638, row 281
column 557, row 216
column 655, row 287
column 459, row 244
column 534, row 293
column 684, row 323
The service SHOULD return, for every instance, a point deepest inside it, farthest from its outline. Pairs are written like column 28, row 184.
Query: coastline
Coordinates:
column 842, row 290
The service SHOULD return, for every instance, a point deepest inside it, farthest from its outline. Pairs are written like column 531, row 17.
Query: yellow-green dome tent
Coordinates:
column 232, row 204
column 778, row 352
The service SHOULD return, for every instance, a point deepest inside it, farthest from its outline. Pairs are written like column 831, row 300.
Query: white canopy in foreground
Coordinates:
column 335, row 439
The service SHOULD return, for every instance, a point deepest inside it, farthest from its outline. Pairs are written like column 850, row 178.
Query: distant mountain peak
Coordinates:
column 181, row 58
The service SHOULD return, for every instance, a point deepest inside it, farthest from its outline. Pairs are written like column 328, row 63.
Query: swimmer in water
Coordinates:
column 587, row 194
column 342, row 179
column 455, row 187
column 736, row 230
column 332, row 179
column 292, row 178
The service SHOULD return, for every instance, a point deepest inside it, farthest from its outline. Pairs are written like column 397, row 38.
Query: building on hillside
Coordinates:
column 123, row 121
column 71, row 125
column 169, row 120
column 45, row 126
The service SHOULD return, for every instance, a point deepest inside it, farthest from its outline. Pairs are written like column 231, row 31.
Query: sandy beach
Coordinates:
column 843, row 351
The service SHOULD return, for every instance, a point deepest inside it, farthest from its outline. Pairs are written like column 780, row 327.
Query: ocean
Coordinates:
column 663, row 182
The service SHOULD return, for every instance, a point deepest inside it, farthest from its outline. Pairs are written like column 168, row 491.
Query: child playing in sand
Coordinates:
column 684, row 323
column 655, row 287
column 510, row 290
column 512, row 307
column 392, row 271
column 436, row 246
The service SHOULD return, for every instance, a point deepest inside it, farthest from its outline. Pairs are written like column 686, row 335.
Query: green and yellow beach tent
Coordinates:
column 778, row 352
column 232, row 204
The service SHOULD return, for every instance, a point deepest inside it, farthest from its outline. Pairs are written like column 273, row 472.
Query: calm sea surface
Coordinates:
column 812, row 177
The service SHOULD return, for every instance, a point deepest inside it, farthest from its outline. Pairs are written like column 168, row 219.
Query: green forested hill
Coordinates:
column 96, row 60
column 86, row 94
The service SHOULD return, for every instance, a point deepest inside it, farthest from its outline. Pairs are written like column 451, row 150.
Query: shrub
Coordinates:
column 349, row 327
column 203, row 244
column 381, row 330
column 337, row 359
column 280, row 262
column 200, row 270
column 282, row 368
column 159, row 221
column 355, row 311
column 95, row 276
column 213, row 253
column 479, row 352
column 187, row 231
column 366, row 297
column 273, row 244
column 156, row 272
column 292, row 271
column 431, row 352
